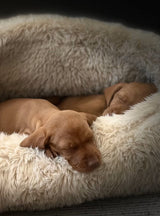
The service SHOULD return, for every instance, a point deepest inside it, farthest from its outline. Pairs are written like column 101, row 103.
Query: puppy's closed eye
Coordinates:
column 122, row 97
column 69, row 146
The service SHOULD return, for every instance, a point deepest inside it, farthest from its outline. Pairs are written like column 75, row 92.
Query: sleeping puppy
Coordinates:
column 116, row 99
column 66, row 133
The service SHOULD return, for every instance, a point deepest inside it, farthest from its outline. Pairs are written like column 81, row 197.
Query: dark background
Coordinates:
column 140, row 15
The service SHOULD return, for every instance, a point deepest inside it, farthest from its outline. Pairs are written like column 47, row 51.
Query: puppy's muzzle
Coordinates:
column 93, row 163
column 86, row 163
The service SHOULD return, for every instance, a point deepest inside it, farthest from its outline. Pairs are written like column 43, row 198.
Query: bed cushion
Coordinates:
column 42, row 55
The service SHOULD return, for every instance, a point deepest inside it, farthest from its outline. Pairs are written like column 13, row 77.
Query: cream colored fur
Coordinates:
column 130, row 147
column 42, row 55
column 46, row 55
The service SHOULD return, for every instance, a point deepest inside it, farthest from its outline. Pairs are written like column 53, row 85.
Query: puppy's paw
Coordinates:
column 50, row 154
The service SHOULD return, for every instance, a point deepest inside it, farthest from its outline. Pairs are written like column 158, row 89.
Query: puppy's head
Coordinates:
column 121, row 96
column 74, row 140
column 68, row 134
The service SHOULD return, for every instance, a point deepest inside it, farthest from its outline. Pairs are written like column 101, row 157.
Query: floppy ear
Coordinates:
column 36, row 139
column 111, row 91
column 88, row 117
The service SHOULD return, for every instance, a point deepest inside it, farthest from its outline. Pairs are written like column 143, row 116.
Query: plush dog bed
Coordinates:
column 47, row 55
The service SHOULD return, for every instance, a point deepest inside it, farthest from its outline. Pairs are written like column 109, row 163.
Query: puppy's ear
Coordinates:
column 36, row 139
column 111, row 91
column 88, row 117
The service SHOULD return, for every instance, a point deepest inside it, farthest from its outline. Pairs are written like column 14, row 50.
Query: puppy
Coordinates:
column 66, row 133
column 116, row 99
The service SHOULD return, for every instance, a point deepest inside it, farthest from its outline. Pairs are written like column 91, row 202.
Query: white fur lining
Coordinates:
column 130, row 148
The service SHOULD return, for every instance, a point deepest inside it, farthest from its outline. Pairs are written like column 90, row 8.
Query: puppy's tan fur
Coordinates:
column 66, row 133
column 116, row 99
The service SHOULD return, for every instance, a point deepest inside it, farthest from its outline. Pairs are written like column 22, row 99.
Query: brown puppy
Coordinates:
column 66, row 133
column 116, row 99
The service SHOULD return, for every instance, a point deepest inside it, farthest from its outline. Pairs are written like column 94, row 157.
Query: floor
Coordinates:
column 147, row 205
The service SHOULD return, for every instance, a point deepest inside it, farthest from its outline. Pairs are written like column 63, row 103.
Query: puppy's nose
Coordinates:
column 93, row 163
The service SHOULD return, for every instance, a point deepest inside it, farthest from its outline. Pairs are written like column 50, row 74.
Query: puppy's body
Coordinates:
column 116, row 99
column 66, row 133
column 94, row 104
column 24, row 115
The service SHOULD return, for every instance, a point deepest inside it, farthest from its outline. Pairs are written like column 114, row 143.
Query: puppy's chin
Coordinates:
column 110, row 111
column 85, row 169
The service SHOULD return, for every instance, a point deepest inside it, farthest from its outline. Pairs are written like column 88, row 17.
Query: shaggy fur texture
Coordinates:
column 42, row 55
column 48, row 55
column 130, row 150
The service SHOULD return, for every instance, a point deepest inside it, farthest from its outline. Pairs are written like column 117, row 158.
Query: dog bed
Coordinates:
column 43, row 55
